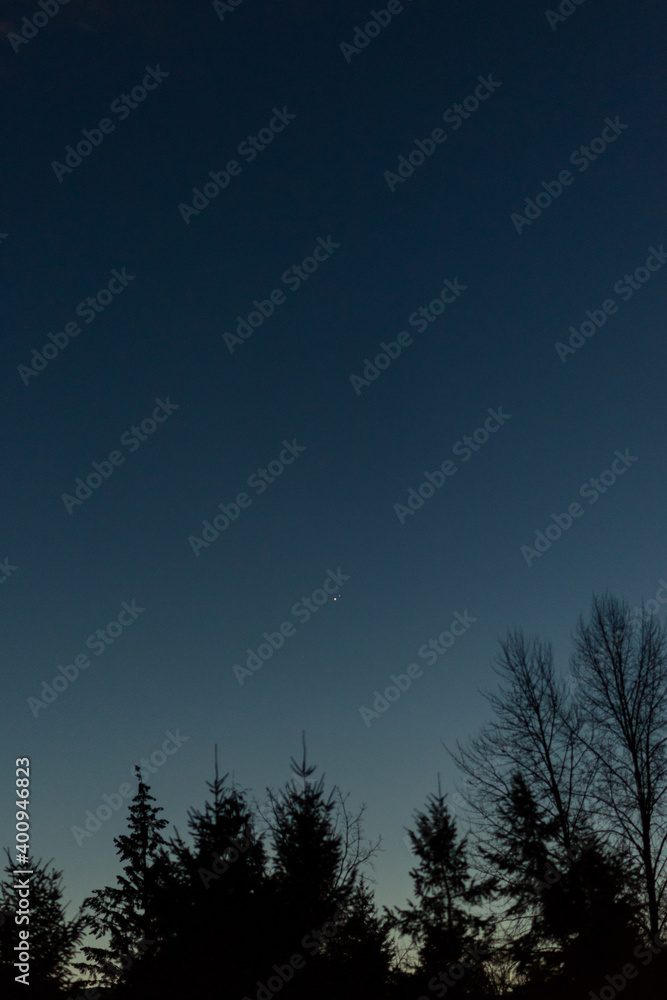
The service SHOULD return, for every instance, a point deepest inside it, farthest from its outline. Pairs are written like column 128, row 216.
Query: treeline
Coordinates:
column 556, row 890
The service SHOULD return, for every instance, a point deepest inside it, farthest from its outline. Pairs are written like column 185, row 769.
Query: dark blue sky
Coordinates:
column 585, row 96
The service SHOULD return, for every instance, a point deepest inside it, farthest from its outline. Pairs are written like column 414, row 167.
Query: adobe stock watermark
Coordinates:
column 94, row 137
column 580, row 158
column 444, row 980
column 312, row 943
column 260, row 480
column 454, row 116
column 97, row 642
column 418, row 320
column 293, row 278
column 221, row 8
column 131, row 439
column 429, row 651
column 565, row 9
column 363, row 36
column 618, row 981
column 553, row 874
column 6, row 570
column 88, row 309
column 235, row 849
column 651, row 607
column 30, row 25
column 302, row 611
column 626, row 288
column 249, row 149
column 591, row 490
column 112, row 803
column 468, row 444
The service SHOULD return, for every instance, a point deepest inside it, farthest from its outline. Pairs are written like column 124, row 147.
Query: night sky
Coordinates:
column 417, row 319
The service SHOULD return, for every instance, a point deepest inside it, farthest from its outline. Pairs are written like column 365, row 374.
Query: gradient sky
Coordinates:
column 333, row 508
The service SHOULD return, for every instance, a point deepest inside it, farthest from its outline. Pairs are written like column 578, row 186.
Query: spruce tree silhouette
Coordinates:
column 307, row 853
column 53, row 937
column 213, row 907
column 317, row 853
column 594, row 913
column 443, row 926
column 594, row 758
column 128, row 913
column 523, row 859
column 566, row 923
column 570, row 808
column 360, row 955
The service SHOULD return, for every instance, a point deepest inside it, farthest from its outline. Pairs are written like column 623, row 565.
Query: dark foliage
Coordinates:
column 558, row 890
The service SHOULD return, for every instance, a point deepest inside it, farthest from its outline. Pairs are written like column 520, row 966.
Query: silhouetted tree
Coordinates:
column 569, row 798
column 523, row 858
column 620, row 665
column 53, row 937
column 216, row 895
column 359, row 956
column 593, row 914
column 318, row 849
column 554, row 772
column 128, row 913
column 534, row 732
column 451, row 940
column 317, row 854
column 307, row 852
column 566, row 920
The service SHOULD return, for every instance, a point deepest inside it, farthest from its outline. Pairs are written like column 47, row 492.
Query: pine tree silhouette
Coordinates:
column 568, row 918
column 443, row 925
column 317, row 853
column 212, row 908
column 127, row 913
column 53, row 937
column 250, row 905
column 360, row 955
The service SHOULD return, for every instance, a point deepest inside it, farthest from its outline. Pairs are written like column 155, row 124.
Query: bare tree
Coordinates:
column 531, row 739
column 620, row 664
column 534, row 735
